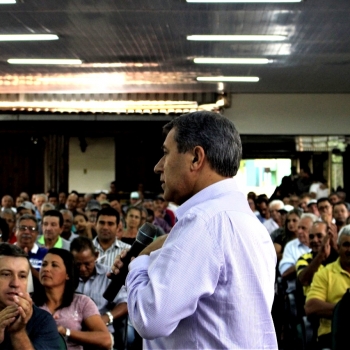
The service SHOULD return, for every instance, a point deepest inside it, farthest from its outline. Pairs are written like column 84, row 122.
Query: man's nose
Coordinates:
column 159, row 166
column 14, row 283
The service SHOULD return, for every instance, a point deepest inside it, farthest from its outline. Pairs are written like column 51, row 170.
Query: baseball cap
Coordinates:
column 287, row 208
column 27, row 205
column 134, row 195
column 93, row 204
column 311, row 201
column 105, row 203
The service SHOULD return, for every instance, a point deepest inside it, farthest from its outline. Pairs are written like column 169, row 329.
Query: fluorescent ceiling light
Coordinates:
column 7, row 2
column 236, row 37
column 27, row 37
column 231, row 60
column 42, row 61
column 243, row 1
column 230, row 79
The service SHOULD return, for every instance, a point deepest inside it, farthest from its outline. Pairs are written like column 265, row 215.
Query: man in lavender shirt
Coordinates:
column 209, row 284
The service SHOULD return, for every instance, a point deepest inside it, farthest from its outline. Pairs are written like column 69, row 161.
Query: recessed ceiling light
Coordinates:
column 228, row 79
column 236, row 37
column 231, row 60
column 27, row 37
column 7, row 2
column 42, row 61
column 243, row 1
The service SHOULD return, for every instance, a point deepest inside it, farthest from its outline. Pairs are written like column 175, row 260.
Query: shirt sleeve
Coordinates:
column 87, row 306
column 287, row 259
column 121, row 296
column 45, row 335
column 165, row 287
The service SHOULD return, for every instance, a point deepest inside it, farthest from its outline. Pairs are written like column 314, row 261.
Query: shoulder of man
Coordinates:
column 42, row 330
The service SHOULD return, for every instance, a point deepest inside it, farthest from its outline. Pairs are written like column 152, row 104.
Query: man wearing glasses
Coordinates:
column 27, row 234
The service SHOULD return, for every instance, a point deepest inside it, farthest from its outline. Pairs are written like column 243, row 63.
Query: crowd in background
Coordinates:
column 81, row 234
column 308, row 225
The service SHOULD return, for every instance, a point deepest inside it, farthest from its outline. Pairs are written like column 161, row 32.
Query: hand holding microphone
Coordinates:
column 144, row 238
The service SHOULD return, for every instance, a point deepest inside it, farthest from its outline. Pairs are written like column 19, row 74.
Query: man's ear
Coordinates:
column 198, row 156
column 96, row 255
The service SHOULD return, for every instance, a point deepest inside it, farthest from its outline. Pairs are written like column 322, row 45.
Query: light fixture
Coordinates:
column 236, row 37
column 244, row 1
column 43, row 61
column 229, row 79
column 120, row 65
column 7, row 2
column 27, row 37
column 208, row 60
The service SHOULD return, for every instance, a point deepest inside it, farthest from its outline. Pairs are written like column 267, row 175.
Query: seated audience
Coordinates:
column 132, row 222
column 23, row 326
column 76, row 315
column 67, row 232
column 340, row 214
column 322, row 253
column 327, row 288
column 106, row 241
column 275, row 220
column 325, row 209
column 25, row 208
column 4, row 230
column 52, row 226
column 282, row 236
column 10, row 217
column 262, row 205
column 83, row 227
column 27, row 234
column 312, row 207
column 297, row 246
column 93, row 282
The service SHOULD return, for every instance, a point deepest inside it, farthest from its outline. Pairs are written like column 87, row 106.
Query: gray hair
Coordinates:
column 313, row 217
column 276, row 202
column 48, row 206
column 42, row 195
column 8, row 211
column 66, row 211
column 27, row 217
column 344, row 231
column 213, row 132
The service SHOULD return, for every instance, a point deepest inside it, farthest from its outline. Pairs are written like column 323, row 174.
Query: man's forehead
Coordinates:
column 344, row 238
column 18, row 263
column 305, row 222
column 51, row 218
column 107, row 218
column 83, row 255
column 319, row 227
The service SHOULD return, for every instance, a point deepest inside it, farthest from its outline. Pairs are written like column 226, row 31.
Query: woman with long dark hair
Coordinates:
column 72, row 312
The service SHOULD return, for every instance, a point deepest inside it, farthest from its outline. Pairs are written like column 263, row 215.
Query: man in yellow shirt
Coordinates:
column 327, row 288
column 323, row 252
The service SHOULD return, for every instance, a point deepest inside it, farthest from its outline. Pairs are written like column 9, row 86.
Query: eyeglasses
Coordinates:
column 318, row 235
column 29, row 228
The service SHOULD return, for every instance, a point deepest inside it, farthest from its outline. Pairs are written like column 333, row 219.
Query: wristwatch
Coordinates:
column 110, row 316
column 67, row 333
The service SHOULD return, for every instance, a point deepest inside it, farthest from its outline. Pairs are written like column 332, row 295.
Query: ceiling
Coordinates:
column 148, row 38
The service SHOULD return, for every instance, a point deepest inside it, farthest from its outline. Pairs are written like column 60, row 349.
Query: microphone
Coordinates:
column 144, row 238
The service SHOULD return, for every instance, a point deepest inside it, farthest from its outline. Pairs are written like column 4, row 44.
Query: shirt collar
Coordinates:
column 58, row 244
column 215, row 190
column 98, row 245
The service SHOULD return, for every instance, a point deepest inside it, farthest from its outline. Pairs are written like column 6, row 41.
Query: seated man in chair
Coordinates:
column 327, row 288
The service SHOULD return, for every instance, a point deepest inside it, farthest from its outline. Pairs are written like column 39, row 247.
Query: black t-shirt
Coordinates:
column 41, row 330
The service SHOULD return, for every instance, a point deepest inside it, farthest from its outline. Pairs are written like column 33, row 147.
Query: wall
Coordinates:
column 290, row 114
column 94, row 169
